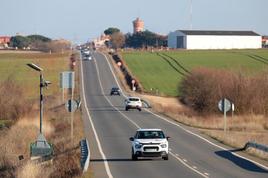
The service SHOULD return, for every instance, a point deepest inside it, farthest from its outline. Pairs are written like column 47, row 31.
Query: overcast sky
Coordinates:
column 82, row 20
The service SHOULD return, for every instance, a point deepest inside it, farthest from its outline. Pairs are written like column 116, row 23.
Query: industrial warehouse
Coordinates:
column 198, row 39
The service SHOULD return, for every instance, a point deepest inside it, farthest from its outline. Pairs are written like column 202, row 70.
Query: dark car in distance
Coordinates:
column 115, row 91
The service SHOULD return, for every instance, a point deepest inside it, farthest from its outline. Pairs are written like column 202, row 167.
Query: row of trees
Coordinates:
column 39, row 42
column 31, row 41
column 137, row 40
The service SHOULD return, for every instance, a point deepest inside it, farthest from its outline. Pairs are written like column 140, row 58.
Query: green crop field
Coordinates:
column 161, row 72
column 13, row 65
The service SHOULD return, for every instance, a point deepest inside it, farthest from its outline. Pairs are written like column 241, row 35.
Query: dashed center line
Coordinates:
column 134, row 123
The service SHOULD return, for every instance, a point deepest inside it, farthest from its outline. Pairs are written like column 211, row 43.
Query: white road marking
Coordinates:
column 102, row 90
column 97, row 68
column 106, row 165
column 206, row 173
column 186, row 130
column 185, row 164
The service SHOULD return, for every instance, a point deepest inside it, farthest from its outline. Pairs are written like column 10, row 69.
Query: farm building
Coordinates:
column 196, row 39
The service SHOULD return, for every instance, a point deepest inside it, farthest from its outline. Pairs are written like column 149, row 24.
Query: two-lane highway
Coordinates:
column 108, row 127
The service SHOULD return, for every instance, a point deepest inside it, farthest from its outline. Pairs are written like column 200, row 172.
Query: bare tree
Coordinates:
column 117, row 40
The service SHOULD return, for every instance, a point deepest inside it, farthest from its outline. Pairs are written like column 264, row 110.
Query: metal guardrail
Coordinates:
column 256, row 146
column 85, row 154
column 146, row 103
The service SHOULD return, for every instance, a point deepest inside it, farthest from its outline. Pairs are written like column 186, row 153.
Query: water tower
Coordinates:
column 138, row 25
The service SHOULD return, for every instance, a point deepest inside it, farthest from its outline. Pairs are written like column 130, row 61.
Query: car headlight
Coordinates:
column 163, row 145
column 138, row 145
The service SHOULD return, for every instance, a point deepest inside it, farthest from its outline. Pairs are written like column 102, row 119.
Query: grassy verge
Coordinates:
column 161, row 72
column 241, row 129
column 15, row 141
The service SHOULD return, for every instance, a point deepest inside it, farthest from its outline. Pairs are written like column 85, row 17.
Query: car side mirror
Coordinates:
column 131, row 139
column 168, row 137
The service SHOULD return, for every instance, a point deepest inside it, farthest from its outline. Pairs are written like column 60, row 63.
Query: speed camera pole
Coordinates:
column 41, row 101
column 40, row 148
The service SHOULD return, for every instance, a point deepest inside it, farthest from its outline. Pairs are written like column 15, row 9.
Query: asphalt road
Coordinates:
column 108, row 127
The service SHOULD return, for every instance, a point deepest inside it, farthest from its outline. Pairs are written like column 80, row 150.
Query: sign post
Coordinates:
column 67, row 81
column 224, row 106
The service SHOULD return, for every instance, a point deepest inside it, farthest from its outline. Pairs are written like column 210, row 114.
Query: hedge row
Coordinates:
column 203, row 88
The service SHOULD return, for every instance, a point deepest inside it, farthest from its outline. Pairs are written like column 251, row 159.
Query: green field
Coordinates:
column 14, row 65
column 163, row 71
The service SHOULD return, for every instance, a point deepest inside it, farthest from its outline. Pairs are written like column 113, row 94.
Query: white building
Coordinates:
column 196, row 39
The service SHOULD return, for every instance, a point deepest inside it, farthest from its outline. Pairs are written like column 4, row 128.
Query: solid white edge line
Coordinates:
column 186, row 130
column 184, row 163
column 106, row 165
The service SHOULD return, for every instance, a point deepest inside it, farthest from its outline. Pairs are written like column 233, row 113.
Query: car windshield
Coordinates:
column 133, row 99
column 150, row 134
column 115, row 89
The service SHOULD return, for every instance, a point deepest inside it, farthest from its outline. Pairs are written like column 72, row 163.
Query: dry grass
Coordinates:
column 13, row 102
column 16, row 140
column 31, row 170
column 238, row 140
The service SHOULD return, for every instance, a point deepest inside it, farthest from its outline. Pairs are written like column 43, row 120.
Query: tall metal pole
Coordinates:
column 191, row 13
column 72, row 118
column 41, row 100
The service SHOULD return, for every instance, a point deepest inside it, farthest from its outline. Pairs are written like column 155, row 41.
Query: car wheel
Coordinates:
column 133, row 156
column 139, row 109
column 165, row 157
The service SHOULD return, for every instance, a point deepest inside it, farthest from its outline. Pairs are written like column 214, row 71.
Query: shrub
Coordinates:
column 203, row 88
column 12, row 100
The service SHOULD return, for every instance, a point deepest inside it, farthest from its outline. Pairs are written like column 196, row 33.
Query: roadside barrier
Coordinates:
column 146, row 103
column 256, row 146
column 85, row 154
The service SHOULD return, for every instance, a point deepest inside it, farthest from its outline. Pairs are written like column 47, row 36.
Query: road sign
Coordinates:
column 67, row 79
column 224, row 105
column 71, row 105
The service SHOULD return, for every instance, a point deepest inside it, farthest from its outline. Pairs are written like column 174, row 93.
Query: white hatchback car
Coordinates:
column 133, row 103
column 149, row 143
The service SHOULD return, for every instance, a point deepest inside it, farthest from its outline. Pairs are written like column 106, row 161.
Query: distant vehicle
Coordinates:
column 86, row 52
column 133, row 103
column 87, row 57
column 149, row 143
column 115, row 91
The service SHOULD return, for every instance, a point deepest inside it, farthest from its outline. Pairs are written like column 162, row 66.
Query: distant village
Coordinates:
column 179, row 39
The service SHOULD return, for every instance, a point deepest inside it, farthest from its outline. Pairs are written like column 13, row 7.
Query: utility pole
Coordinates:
column 191, row 14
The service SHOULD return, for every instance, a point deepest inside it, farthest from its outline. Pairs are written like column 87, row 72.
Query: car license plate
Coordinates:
column 150, row 150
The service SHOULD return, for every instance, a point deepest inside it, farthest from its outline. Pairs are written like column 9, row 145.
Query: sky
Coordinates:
column 83, row 20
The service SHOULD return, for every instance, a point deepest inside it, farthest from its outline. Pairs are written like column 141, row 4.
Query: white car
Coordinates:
column 133, row 103
column 149, row 143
